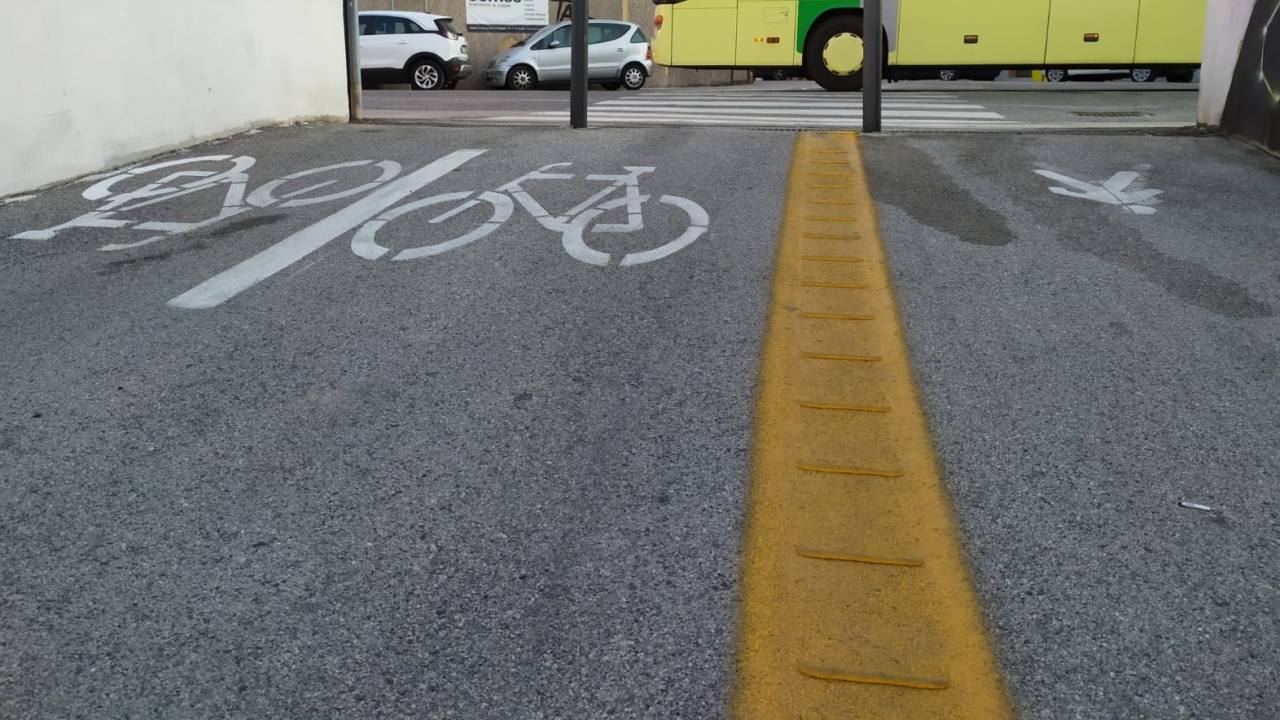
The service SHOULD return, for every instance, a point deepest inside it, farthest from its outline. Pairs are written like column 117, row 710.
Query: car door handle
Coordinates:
column 403, row 42
column 620, row 49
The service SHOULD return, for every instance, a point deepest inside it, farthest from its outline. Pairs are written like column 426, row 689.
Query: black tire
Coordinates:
column 522, row 77
column 633, row 76
column 1184, row 76
column 948, row 75
column 611, row 85
column 814, row 66
column 426, row 75
column 1056, row 75
column 1142, row 75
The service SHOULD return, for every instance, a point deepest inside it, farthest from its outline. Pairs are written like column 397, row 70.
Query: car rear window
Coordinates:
column 638, row 36
column 604, row 32
column 446, row 26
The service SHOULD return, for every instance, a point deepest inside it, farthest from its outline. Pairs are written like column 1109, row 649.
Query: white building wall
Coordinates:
column 89, row 84
column 1225, row 25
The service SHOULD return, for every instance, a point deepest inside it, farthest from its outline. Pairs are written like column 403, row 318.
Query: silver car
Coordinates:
column 618, row 55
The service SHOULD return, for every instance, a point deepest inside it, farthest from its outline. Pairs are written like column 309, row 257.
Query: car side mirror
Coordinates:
column 553, row 44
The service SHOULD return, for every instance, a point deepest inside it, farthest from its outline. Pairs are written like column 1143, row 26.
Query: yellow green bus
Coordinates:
column 823, row 38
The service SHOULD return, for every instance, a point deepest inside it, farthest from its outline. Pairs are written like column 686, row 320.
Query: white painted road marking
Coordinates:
column 1109, row 192
column 229, row 283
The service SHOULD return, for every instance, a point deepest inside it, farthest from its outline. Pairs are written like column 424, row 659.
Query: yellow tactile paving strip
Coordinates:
column 857, row 603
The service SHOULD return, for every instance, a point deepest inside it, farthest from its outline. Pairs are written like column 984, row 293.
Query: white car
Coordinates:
column 423, row 50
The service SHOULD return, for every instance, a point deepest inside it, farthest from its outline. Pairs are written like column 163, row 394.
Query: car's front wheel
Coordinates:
column 426, row 75
column 633, row 77
column 1055, row 75
column 1142, row 75
column 948, row 75
column 521, row 77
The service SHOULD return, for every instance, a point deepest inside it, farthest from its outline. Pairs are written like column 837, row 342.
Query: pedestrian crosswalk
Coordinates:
column 739, row 107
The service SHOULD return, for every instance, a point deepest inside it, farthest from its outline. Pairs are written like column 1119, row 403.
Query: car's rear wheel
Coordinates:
column 633, row 77
column 833, row 53
column 948, row 75
column 1142, row 75
column 426, row 75
column 1055, row 75
column 522, row 77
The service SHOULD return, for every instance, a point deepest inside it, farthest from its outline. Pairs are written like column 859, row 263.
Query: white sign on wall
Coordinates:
column 506, row 15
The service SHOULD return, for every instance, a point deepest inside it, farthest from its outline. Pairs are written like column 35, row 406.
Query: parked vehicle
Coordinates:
column 618, row 56
column 423, row 50
column 1138, row 74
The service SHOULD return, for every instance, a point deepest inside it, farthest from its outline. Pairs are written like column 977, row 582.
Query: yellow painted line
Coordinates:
column 856, row 599
column 831, row 218
column 829, row 202
column 816, row 554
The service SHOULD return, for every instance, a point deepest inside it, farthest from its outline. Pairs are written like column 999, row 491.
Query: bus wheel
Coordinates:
column 833, row 53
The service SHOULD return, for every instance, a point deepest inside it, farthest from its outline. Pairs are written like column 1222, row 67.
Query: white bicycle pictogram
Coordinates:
column 573, row 225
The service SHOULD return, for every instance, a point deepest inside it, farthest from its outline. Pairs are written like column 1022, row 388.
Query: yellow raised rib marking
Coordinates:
column 816, row 554
column 847, row 358
column 855, row 598
column 843, row 408
column 832, row 258
column 831, row 218
column 841, row 286
column 834, row 316
column 918, row 683
column 856, row 472
column 829, row 202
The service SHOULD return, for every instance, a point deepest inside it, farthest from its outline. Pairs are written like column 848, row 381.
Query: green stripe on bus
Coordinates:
column 809, row 12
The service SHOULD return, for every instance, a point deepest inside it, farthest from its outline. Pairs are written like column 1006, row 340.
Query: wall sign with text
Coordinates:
column 506, row 15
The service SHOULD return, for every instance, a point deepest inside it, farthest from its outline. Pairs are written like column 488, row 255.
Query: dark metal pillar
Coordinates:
column 351, row 26
column 578, row 66
column 872, row 64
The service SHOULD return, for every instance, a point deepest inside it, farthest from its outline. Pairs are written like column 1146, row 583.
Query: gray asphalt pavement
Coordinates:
column 1087, row 369
column 493, row 483
column 501, row 481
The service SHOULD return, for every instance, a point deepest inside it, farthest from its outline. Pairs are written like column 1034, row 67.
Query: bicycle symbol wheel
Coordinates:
column 574, row 243
column 366, row 246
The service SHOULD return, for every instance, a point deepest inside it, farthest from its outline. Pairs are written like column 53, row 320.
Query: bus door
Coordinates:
column 951, row 33
column 766, row 32
column 704, row 33
column 1092, row 32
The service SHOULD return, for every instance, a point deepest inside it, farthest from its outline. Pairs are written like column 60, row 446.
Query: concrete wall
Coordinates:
column 482, row 46
column 1224, row 29
column 1240, row 85
column 90, row 85
column 1253, row 105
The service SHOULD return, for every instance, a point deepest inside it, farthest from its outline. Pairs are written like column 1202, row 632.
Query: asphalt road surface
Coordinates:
column 304, row 461
column 494, row 483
